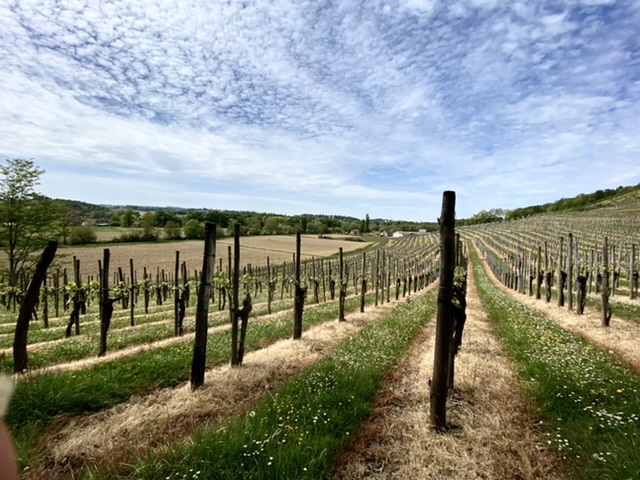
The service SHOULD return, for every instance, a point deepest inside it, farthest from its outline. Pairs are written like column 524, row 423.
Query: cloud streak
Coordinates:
column 343, row 108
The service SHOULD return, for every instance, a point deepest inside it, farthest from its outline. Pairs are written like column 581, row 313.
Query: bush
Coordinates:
column 82, row 234
column 172, row 231
column 194, row 230
column 137, row 236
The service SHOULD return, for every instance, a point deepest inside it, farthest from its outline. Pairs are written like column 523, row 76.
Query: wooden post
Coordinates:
column 343, row 290
column 633, row 274
column 106, row 304
column 570, row 272
column 132, row 292
column 444, row 326
column 235, row 286
column 539, row 275
column 606, row 309
column 561, row 278
column 298, row 299
column 270, row 287
column 363, row 282
column 176, row 296
column 376, row 277
column 198, row 364
column 27, row 307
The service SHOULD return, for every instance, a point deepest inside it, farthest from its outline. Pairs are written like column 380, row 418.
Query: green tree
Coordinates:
column 129, row 218
column 148, row 224
column 173, row 230
column 69, row 218
column 193, row 229
column 83, row 234
column 26, row 217
column 272, row 225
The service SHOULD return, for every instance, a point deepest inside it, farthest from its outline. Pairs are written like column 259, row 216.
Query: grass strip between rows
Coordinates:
column 296, row 431
column 121, row 335
column 588, row 401
column 39, row 399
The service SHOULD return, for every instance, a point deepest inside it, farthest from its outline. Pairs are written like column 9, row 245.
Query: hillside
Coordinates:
column 621, row 197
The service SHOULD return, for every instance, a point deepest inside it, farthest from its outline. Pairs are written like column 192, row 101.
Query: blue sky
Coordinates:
column 345, row 107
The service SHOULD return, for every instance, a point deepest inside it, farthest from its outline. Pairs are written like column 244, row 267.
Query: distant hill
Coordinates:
column 621, row 197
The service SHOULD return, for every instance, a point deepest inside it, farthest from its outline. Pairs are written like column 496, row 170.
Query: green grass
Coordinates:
column 120, row 337
column 297, row 431
column 620, row 310
column 39, row 399
column 588, row 401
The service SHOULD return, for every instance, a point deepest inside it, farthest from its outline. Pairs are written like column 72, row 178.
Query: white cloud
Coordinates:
column 293, row 107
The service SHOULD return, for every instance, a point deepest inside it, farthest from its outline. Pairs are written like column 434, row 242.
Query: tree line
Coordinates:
column 28, row 220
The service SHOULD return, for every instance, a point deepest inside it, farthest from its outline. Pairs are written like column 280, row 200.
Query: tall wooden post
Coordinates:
column 560, row 274
column 606, row 309
column 342, row 294
column 27, row 307
column 176, row 295
column 633, row 275
column 235, row 304
column 299, row 293
column 570, row 271
column 106, row 305
column 363, row 282
column 132, row 291
column 198, row 364
column 444, row 326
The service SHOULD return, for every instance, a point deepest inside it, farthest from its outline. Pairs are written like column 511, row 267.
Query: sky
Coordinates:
column 322, row 107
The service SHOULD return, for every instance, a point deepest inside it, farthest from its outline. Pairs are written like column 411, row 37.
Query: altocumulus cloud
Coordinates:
column 345, row 107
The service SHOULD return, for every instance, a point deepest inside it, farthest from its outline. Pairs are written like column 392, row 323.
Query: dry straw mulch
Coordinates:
column 492, row 436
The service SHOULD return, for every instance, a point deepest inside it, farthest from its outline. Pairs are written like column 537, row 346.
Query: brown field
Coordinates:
column 253, row 250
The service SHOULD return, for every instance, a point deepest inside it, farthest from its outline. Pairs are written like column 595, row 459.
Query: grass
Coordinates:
column 588, row 402
column 120, row 336
column 39, row 399
column 297, row 431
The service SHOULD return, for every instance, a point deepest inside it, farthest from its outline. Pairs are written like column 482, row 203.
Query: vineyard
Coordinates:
column 327, row 376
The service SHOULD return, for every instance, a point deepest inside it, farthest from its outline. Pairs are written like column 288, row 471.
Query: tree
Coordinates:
column 194, row 230
column 68, row 218
column 129, row 218
column 26, row 219
column 173, row 230
column 148, row 223
column 82, row 235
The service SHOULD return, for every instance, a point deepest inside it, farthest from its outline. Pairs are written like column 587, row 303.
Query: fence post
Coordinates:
column 444, row 325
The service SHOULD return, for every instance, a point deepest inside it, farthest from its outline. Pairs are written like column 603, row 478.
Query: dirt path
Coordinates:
column 494, row 437
column 171, row 414
column 621, row 337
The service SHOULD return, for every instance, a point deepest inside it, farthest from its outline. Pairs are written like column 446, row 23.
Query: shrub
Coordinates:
column 137, row 236
column 82, row 234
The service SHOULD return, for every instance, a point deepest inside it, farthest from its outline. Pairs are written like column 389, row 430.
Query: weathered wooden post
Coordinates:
column 132, row 292
column 106, row 304
column 363, row 282
column 27, row 307
column 570, row 272
column 299, row 294
column 342, row 294
column 176, row 297
column 633, row 274
column 198, row 364
column 444, row 326
column 606, row 309
column 561, row 274
column 539, row 275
